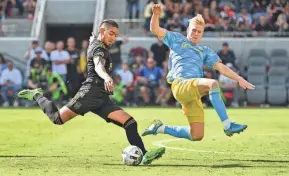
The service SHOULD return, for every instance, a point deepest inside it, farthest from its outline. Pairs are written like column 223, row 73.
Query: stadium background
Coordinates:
column 31, row 145
column 259, row 52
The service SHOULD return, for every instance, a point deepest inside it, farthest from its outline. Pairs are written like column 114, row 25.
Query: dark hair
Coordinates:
column 109, row 22
column 2, row 59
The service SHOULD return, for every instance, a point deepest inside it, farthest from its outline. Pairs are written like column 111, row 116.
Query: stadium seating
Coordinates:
column 277, row 92
column 257, row 52
column 279, row 52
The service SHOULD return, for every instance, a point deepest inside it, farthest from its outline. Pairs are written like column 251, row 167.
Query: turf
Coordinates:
column 31, row 145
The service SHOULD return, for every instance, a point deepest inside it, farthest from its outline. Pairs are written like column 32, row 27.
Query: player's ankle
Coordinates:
column 227, row 124
column 161, row 129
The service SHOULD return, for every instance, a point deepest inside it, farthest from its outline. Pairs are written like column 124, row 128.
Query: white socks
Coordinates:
column 161, row 129
column 226, row 124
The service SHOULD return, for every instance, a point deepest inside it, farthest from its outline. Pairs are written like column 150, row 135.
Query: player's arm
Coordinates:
column 155, row 22
column 99, row 62
column 226, row 71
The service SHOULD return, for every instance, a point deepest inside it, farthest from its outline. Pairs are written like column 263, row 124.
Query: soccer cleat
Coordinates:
column 235, row 128
column 152, row 155
column 153, row 128
column 29, row 94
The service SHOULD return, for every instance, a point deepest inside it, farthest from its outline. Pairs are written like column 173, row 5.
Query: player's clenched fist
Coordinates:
column 157, row 9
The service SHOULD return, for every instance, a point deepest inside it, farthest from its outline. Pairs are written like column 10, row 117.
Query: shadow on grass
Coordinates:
column 29, row 156
column 261, row 161
column 203, row 166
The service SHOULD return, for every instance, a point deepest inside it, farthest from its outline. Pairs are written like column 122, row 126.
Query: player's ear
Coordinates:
column 101, row 30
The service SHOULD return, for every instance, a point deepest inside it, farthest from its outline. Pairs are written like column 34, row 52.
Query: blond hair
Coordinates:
column 198, row 20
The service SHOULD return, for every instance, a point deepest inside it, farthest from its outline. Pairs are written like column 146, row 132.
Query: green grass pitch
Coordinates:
column 31, row 145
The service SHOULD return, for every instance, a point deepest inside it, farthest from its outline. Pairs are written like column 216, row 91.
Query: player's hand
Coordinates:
column 108, row 84
column 245, row 84
column 157, row 9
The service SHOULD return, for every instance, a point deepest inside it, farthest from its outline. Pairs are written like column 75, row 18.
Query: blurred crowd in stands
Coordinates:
column 60, row 68
column 246, row 18
column 24, row 9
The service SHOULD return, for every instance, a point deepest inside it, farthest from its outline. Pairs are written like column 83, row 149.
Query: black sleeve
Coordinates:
column 100, row 52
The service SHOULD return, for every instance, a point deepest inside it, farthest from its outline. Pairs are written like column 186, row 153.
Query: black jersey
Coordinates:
column 97, row 48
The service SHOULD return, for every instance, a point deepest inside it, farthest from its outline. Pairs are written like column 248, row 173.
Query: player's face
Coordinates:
column 195, row 32
column 109, row 36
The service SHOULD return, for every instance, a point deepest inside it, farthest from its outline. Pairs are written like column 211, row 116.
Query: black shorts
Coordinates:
column 91, row 98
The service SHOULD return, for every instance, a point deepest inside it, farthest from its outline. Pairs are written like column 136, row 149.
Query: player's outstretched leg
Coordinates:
column 230, row 128
column 176, row 131
column 46, row 105
column 133, row 137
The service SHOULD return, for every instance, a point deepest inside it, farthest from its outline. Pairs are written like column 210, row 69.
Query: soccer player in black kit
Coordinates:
column 93, row 96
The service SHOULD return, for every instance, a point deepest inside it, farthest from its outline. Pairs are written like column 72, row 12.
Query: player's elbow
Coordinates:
column 198, row 137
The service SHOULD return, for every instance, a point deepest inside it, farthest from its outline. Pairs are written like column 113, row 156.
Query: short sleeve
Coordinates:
column 211, row 57
column 100, row 52
column 170, row 38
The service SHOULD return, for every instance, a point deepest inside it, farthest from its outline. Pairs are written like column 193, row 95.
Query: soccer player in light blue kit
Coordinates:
column 187, row 57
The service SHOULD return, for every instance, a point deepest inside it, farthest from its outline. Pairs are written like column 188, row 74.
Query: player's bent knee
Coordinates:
column 214, row 84
column 143, row 89
column 197, row 137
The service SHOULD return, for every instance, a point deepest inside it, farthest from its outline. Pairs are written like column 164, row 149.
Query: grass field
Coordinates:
column 31, row 145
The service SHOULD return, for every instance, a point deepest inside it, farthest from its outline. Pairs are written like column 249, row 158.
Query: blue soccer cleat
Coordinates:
column 153, row 128
column 235, row 128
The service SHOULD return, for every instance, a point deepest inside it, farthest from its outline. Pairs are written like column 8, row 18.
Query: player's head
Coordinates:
column 108, row 31
column 196, row 29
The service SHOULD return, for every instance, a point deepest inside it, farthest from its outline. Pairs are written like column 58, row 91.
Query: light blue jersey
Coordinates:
column 186, row 58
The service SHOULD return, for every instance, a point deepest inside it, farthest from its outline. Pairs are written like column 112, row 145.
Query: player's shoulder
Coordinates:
column 98, row 48
column 206, row 48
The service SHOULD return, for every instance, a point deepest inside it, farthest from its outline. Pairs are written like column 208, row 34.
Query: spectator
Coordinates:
column 210, row 20
column 175, row 24
column 159, row 52
column 224, row 25
column 56, row 88
column 30, row 54
column 165, row 93
column 230, row 88
column 133, row 5
column 227, row 55
column 126, row 78
column 11, row 80
column 39, row 60
column 60, row 58
column 263, row 25
column 19, row 4
column 281, row 25
column 214, row 9
column 118, row 90
column 245, row 18
column 3, row 65
column 115, row 53
column 49, row 47
column 37, row 77
column 150, row 78
column 138, row 64
column 83, row 61
column 228, row 12
column 274, row 9
column 29, row 6
column 73, row 83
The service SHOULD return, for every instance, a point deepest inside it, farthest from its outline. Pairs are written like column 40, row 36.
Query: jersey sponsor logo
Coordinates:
column 196, row 48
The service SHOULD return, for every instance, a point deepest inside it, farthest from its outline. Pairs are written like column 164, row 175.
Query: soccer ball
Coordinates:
column 132, row 155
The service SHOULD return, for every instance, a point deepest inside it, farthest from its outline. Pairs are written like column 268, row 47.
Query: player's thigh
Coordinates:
column 185, row 90
column 194, row 111
column 111, row 112
column 204, row 85
column 66, row 114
